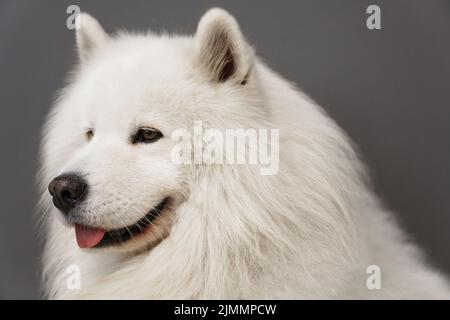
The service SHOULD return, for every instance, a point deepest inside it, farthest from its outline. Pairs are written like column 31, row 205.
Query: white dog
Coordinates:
column 137, row 224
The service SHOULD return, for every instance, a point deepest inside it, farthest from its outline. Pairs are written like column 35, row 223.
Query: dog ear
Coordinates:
column 221, row 49
column 90, row 35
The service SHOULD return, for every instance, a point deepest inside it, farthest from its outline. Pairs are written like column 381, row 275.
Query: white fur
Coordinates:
column 309, row 231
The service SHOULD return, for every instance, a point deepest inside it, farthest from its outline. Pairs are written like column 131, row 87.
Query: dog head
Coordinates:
column 108, row 147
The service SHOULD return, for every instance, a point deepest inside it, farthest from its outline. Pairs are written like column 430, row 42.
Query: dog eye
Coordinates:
column 146, row 135
column 89, row 134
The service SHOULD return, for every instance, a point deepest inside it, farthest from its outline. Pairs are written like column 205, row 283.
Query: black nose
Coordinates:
column 67, row 190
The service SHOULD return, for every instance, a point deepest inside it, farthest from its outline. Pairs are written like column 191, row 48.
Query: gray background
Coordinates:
column 388, row 89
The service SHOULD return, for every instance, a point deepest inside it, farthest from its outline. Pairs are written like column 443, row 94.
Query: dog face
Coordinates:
column 117, row 183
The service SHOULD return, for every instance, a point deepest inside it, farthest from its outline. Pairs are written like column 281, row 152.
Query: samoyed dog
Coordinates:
column 123, row 219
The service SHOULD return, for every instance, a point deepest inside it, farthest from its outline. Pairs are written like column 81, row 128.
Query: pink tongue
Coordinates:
column 88, row 237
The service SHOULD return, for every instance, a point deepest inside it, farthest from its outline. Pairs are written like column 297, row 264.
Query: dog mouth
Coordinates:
column 92, row 237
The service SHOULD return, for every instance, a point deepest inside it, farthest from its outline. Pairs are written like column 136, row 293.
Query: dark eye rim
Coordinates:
column 146, row 135
column 89, row 133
